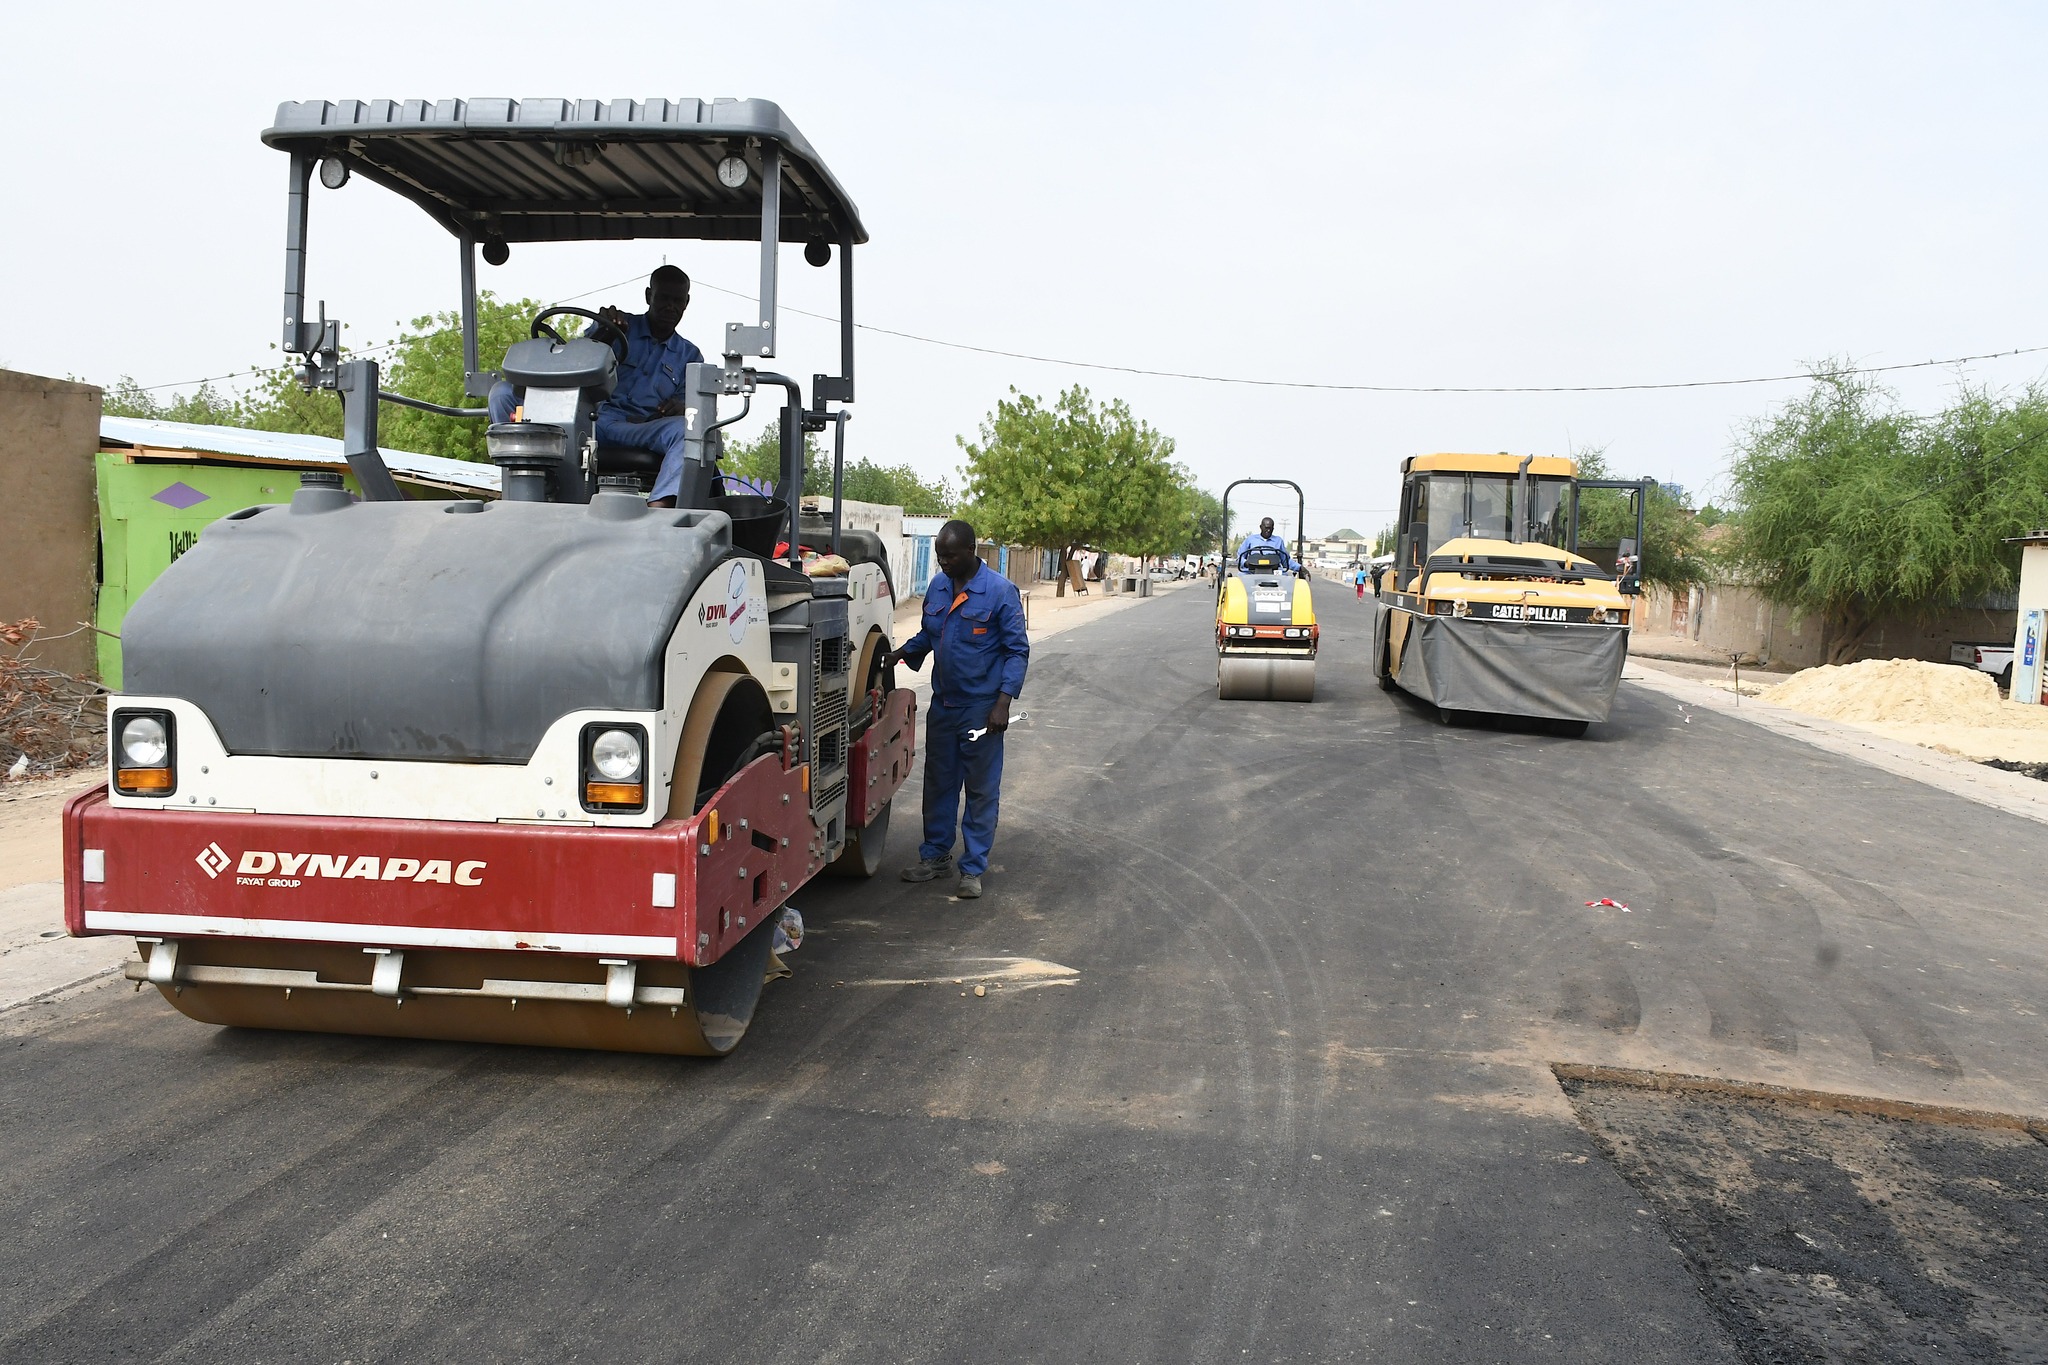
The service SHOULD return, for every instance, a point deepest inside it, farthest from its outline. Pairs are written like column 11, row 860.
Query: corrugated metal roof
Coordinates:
column 289, row 448
column 556, row 170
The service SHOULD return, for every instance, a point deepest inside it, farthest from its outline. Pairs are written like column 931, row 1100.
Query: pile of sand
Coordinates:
column 1943, row 706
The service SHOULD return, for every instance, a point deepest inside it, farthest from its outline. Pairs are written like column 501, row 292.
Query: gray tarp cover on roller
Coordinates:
column 1512, row 668
column 406, row 630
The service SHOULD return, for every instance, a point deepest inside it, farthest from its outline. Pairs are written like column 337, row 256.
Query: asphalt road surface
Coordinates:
column 1265, row 1077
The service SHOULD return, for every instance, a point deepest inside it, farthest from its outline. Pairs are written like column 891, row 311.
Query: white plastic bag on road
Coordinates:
column 789, row 930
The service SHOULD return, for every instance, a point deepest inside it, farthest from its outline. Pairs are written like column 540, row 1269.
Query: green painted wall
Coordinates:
column 143, row 526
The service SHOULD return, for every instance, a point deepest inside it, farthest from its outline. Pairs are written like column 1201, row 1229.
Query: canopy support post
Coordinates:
column 300, row 337
column 474, row 384
column 740, row 338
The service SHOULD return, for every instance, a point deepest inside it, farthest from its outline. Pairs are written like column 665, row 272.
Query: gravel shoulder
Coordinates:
column 1878, row 746
column 37, row 959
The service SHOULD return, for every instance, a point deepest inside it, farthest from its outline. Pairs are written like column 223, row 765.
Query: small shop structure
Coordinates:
column 2030, row 636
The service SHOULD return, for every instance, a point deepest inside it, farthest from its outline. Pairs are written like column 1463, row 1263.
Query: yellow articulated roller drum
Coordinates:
column 1266, row 632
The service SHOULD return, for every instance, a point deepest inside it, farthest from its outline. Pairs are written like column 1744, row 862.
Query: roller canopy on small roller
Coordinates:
column 556, row 170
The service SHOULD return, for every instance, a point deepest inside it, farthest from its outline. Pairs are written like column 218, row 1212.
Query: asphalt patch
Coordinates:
column 1824, row 1235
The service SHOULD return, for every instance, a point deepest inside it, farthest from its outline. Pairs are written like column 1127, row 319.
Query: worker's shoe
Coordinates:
column 970, row 886
column 929, row 869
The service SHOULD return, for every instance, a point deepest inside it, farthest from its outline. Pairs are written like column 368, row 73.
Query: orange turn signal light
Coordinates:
column 142, row 781
column 614, row 793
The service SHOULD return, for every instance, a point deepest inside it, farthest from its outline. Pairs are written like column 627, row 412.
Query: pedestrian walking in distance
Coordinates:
column 973, row 627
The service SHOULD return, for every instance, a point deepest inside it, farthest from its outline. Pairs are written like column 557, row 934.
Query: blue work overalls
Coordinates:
column 651, row 375
column 977, row 634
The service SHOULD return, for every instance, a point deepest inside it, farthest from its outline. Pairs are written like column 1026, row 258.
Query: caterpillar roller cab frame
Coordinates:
column 538, row 770
column 1266, row 632
column 1489, row 605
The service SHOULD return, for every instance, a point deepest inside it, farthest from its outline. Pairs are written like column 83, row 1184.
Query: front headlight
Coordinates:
column 144, row 742
column 614, row 768
column 145, row 753
column 616, row 755
column 1461, row 608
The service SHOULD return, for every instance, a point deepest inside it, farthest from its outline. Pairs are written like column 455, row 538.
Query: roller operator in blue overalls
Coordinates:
column 974, row 625
column 645, row 411
column 1264, row 540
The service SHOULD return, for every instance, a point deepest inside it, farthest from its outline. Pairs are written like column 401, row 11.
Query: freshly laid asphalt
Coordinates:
column 1266, row 1077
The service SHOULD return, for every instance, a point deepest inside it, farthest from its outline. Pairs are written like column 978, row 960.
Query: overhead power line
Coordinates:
column 1242, row 381
column 1396, row 388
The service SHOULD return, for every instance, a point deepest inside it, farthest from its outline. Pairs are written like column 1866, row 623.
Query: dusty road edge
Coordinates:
column 1874, row 1105
column 2010, row 792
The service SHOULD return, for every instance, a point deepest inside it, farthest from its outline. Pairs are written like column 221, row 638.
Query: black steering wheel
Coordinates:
column 599, row 329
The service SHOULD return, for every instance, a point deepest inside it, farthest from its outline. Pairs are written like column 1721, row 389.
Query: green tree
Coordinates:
column 1075, row 471
column 1849, row 509
column 760, row 461
column 899, row 485
column 1383, row 541
column 425, row 362
column 1673, row 554
column 1206, row 530
column 205, row 406
column 281, row 402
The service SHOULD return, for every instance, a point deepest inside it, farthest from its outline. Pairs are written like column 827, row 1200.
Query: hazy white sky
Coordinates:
column 1400, row 194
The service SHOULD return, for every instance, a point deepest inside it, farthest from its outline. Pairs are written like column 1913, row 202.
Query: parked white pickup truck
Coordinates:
column 1995, row 659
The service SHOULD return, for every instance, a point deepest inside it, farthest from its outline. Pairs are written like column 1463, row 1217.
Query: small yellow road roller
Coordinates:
column 1266, row 631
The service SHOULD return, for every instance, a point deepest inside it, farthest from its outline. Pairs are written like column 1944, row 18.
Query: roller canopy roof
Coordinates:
column 552, row 170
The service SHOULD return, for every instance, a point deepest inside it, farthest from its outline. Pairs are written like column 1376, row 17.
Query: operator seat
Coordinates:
column 641, row 464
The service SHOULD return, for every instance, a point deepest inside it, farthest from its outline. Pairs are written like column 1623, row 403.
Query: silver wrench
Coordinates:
column 973, row 735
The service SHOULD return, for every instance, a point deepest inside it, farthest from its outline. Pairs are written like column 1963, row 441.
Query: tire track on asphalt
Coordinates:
column 1239, row 1304
column 147, row 1292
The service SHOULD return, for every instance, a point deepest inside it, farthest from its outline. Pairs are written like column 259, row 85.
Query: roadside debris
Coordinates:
column 1017, row 973
column 789, row 936
column 49, row 720
column 789, row 930
column 1610, row 904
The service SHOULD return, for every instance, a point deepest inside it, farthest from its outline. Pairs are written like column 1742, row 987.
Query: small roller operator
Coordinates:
column 974, row 627
column 645, row 411
column 1265, row 540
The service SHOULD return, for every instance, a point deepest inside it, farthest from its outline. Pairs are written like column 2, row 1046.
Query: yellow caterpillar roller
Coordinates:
column 1492, row 606
column 1266, row 631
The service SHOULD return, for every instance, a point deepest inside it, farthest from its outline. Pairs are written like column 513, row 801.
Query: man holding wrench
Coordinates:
column 974, row 625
